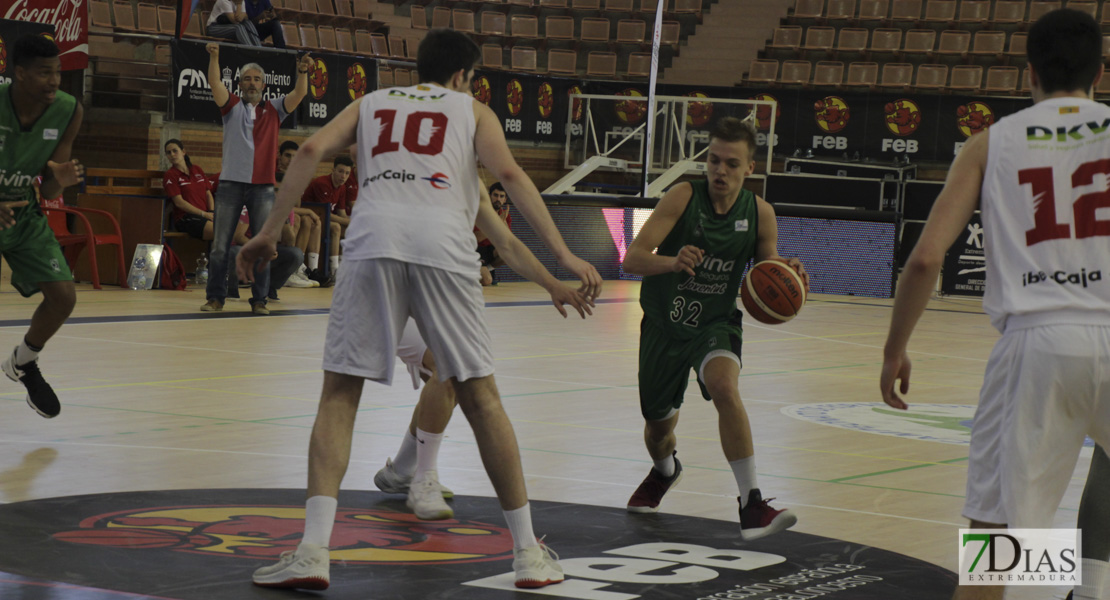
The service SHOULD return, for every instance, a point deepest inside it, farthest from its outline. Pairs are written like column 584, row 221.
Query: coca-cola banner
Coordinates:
column 70, row 19
column 9, row 32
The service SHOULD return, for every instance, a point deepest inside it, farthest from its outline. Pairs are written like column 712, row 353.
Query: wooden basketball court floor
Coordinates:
column 157, row 395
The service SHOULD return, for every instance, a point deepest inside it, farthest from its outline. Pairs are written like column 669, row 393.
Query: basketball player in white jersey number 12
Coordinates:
column 1039, row 177
column 410, row 251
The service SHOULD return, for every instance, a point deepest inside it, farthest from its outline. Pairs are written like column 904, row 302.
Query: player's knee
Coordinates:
column 723, row 390
column 60, row 299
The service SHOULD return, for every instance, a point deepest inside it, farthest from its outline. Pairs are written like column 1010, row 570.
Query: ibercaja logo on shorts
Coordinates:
column 367, row 536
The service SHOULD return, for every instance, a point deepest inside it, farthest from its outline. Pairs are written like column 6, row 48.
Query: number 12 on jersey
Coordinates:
column 437, row 126
column 1045, row 226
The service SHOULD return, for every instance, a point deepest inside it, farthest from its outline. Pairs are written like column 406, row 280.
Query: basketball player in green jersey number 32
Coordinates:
column 706, row 232
column 38, row 123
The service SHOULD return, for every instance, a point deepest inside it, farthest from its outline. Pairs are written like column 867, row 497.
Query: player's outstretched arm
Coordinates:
column 641, row 258
column 767, row 245
column 521, row 259
column 219, row 91
column 950, row 214
column 339, row 133
column 489, row 141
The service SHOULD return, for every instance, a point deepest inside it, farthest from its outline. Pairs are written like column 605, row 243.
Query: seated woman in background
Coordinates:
column 187, row 187
column 229, row 20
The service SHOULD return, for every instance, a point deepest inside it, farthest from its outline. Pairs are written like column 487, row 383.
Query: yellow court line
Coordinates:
column 775, row 446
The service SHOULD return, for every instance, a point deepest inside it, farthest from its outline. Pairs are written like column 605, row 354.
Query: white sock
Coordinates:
column 520, row 525
column 319, row 517
column 312, row 259
column 1094, row 578
column 405, row 461
column 427, row 450
column 333, row 261
column 744, row 471
column 24, row 353
column 665, row 465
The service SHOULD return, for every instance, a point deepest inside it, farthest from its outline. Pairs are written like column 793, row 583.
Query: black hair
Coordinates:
column 31, row 46
column 1065, row 49
column 343, row 159
column 444, row 52
column 731, row 129
column 288, row 145
column 188, row 163
column 497, row 187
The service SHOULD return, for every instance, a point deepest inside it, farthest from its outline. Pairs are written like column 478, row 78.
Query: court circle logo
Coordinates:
column 973, row 117
column 698, row 113
column 356, row 81
column 763, row 112
column 318, row 79
column 545, row 100
column 514, row 96
column 902, row 117
column 832, row 114
column 631, row 112
column 368, row 536
column 482, row 91
column 945, row 423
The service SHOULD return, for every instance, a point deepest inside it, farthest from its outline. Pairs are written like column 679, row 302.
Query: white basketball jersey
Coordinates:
column 1046, row 213
column 418, row 179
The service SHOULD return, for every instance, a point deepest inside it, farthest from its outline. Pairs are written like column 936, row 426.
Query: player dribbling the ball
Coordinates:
column 706, row 232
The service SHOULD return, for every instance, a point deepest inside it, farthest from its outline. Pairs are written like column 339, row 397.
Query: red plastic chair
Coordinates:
column 73, row 243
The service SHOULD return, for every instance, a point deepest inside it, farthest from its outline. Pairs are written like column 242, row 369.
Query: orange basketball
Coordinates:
column 772, row 292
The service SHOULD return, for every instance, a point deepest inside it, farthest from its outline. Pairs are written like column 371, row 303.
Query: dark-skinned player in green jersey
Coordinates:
column 38, row 123
column 706, row 232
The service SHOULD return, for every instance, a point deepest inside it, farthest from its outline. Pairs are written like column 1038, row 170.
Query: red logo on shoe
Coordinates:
column 367, row 536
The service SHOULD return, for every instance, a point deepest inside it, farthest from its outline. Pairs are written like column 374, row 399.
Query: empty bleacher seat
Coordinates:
column 828, row 73
column 562, row 61
column 559, row 28
column 795, row 72
column 601, row 64
column 931, row 77
column 862, row 74
column 491, row 56
column 897, row 75
column 494, row 23
column 873, row 11
column 763, row 70
column 523, row 58
column 1002, row 79
column 639, row 64
column 525, row 26
column 966, row 78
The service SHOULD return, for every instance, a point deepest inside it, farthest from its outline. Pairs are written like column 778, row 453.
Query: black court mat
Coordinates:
column 204, row 544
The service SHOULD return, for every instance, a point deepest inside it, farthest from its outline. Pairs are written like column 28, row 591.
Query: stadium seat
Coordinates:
column 100, row 16
column 795, row 72
column 292, row 36
column 689, row 6
column 559, row 28
column 763, row 70
column 525, row 26
column 494, row 23
column 326, row 35
column 379, row 45
column 820, row 38
column 807, row 12
column 1007, row 12
column 787, row 38
column 308, row 36
column 590, row 5
column 931, row 77
column 953, row 44
column 852, row 41
column 1039, row 8
column 385, row 76
column 631, row 31
column 919, row 44
column 523, row 58
column 1002, row 79
column 594, row 30
column 886, row 43
column 966, row 78
column 167, row 20
column 462, row 20
column 601, row 64
column 344, row 41
column 840, row 11
column 396, row 46
column 873, row 12
column 147, row 17
column 940, row 11
column 639, row 64
column 441, row 17
column 671, row 34
column 862, row 74
column 989, row 45
column 905, row 11
column 974, row 12
column 492, row 57
column 1088, row 6
column 828, row 73
column 897, row 75
column 563, row 62
column 618, row 6
column 418, row 17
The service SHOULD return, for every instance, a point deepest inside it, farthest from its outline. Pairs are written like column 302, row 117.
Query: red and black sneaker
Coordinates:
column 758, row 519
column 646, row 498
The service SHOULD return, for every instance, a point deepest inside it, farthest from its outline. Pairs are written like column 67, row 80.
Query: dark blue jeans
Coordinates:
column 271, row 28
column 231, row 197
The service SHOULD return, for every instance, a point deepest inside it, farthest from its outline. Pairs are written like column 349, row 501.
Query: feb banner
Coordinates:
column 69, row 18
column 9, row 32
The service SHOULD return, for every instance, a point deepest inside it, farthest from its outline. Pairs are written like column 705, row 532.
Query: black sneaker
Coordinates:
column 40, row 396
column 647, row 497
column 318, row 276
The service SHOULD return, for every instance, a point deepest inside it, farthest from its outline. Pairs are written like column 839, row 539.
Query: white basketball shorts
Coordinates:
column 374, row 298
column 1045, row 388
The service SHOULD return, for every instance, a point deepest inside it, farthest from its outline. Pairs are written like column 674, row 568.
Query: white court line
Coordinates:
column 460, row 469
column 176, row 347
column 838, row 341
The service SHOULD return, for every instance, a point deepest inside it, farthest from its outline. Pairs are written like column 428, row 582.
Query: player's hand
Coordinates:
column 897, row 368
column 209, row 216
column 255, row 255
column 67, row 173
column 584, row 271
column 7, row 214
column 797, row 265
column 561, row 294
column 304, row 64
column 688, row 258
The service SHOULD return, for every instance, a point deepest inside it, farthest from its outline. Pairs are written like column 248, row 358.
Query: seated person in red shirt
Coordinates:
column 332, row 189
column 187, row 187
column 487, row 254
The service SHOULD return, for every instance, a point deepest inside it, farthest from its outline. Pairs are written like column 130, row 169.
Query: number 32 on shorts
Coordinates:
column 680, row 308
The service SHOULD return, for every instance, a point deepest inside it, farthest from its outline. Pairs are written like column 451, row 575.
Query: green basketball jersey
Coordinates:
column 683, row 305
column 24, row 152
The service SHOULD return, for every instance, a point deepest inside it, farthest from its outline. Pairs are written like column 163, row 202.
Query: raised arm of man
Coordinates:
column 301, row 90
column 219, row 91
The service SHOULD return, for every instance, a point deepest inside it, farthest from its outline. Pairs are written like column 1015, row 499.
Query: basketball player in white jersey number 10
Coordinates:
column 410, row 251
column 1039, row 178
